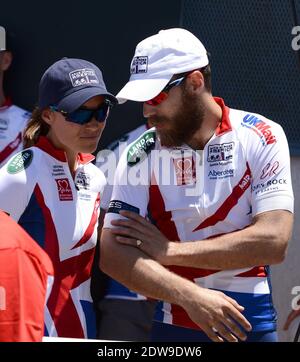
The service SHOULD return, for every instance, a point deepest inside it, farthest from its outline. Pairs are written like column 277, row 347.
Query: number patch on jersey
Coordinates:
column 20, row 162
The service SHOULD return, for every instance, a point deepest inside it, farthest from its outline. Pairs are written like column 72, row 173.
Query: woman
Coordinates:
column 53, row 190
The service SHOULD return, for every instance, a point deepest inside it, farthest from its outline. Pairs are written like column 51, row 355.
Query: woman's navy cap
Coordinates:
column 69, row 83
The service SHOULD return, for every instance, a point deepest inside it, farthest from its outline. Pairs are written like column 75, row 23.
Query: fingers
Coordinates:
column 234, row 303
column 233, row 327
column 129, row 224
column 225, row 333
column 234, row 314
column 133, row 234
column 211, row 334
column 126, row 241
column 134, row 216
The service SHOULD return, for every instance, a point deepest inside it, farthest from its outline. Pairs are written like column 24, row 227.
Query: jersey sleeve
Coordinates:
column 17, row 179
column 130, row 189
column 107, row 161
column 271, row 187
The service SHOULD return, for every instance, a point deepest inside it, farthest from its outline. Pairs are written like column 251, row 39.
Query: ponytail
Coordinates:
column 35, row 128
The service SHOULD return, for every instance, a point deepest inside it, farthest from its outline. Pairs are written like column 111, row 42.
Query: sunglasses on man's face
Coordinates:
column 83, row 115
column 164, row 93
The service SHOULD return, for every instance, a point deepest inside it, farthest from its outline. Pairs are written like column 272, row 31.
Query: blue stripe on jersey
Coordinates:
column 90, row 318
column 259, row 310
column 159, row 314
column 46, row 333
column 32, row 220
column 119, row 290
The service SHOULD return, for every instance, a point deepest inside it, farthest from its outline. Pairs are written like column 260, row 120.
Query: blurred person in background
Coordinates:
column 13, row 119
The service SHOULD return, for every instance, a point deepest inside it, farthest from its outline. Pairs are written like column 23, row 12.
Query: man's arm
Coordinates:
column 209, row 309
column 264, row 242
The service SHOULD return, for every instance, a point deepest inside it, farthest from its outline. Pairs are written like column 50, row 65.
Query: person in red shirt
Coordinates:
column 26, row 277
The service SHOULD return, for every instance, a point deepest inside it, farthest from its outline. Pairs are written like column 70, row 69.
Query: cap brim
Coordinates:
column 77, row 99
column 141, row 90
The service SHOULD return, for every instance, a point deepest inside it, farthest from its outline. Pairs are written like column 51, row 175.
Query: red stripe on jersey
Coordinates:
column 181, row 318
column 258, row 271
column 90, row 229
column 68, row 275
column 191, row 273
column 225, row 125
column 229, row 203
column 161, row 217
column 163, row 220
column 10, row 148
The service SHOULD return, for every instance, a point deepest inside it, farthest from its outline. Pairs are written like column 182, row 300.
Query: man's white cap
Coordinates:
column 157, row 59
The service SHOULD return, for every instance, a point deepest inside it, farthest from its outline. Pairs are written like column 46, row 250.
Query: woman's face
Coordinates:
column 73, row 137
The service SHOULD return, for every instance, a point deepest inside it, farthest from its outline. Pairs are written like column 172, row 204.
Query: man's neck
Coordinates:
column 212, row 118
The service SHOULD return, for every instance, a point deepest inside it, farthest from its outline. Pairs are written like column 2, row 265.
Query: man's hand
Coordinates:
column 218, row 315
column 153, row 242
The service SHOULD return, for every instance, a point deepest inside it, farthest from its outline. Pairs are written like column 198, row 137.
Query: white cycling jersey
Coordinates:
column 61, row 213
column 12, row 123
column 243, row 170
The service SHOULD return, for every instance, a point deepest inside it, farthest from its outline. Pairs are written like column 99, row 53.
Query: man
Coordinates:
column 121, row 313
column 225, row 214
column 26, row 277
column 12, row 118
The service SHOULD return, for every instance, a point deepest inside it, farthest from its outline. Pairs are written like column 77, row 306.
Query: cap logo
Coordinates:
column 83, row 76
column 139, row 65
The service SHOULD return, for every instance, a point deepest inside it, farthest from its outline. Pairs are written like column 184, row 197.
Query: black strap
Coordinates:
column 296, row 339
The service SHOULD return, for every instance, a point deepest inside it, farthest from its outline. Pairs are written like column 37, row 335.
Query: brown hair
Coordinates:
column 35, row 128
column 206, row 71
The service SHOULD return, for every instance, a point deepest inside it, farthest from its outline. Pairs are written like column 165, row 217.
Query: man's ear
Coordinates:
column 197, row 79
column 47, row 116
column 6, row 60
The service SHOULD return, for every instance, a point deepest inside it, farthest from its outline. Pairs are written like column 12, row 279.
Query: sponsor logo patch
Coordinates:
column 82, row 181
column 115, row 206
column 20, row 162
column 220, row 154
column 141, row 147
column 83, row 77
column 64, row 189
column 58, row 170
column 3, row 124
column 261, row 128
column 216, row 174
column 270, row 185
column 139, row 65
column 269, row 170
column 185, row 170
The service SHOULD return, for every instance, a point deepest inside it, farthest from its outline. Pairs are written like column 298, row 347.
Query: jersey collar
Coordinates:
column 225, row 125
column 45, row 145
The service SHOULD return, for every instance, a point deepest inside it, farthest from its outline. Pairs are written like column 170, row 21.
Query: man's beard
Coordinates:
column 184, row 124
